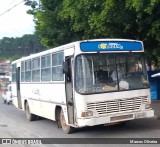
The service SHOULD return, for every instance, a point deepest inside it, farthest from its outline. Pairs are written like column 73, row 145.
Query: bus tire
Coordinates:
column 66, row 128
column 29, row 115
column 57, row 114
column 4, row 101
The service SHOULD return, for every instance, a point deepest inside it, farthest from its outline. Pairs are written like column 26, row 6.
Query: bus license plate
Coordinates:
column 141, row 115
column 121, row 117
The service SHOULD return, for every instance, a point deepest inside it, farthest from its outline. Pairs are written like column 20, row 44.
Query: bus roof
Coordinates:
column 69, row 45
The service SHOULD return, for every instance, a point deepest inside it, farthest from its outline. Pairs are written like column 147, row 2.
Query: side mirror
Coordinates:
column 67, row 70
column 65, row 67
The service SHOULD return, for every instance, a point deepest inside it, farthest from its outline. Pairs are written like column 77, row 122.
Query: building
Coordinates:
column 5, row 67
column 5, row 74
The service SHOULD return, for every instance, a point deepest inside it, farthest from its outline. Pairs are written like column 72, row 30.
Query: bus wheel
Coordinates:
column 67, row 129
column 4, row 101
column 29, row 115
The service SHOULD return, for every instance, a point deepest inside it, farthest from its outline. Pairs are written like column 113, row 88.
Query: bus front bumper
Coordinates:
column 114, row 118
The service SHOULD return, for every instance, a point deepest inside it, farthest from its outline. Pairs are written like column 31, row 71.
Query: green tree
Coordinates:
column 100, row 18
column 52, row 29
column 20, row 46
column 148, row 22
column 62, row 21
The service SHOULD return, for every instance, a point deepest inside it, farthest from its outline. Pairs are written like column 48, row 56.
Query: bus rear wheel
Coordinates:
column 66, row 128
column 29, row 115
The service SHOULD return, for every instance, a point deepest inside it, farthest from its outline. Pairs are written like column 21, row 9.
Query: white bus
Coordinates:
column 80, row 84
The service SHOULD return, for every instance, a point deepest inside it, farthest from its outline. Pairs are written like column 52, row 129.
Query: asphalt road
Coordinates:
column 14, row 124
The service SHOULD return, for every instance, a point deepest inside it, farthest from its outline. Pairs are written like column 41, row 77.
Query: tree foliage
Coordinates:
column 21, row 46
column 148, row 21
column 52, row 29
column 62, row 21
column 101, row 18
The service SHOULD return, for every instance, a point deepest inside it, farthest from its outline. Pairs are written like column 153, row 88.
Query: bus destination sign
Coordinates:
column 111, row 46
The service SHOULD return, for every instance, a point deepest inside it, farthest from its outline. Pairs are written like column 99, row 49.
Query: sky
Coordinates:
column 15, row 22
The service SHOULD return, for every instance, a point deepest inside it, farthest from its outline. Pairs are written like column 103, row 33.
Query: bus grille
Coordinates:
column 119, row 105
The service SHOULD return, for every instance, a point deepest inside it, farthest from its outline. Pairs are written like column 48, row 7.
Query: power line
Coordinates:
column 11, row 8
column 7, row 23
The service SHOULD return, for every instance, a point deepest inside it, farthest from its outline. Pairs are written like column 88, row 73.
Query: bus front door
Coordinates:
column 69, row 90
column 18, row 88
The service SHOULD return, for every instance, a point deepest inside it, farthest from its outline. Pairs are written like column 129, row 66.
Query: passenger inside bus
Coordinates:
column 118, row 72
column 132, row 79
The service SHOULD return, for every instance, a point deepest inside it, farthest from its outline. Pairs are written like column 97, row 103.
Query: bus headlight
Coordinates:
column 147, row 106
column 87, row 114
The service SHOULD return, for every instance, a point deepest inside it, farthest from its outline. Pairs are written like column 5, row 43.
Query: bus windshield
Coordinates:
column 108, row 72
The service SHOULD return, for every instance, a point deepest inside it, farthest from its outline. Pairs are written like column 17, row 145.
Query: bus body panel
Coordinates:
column 43, row 98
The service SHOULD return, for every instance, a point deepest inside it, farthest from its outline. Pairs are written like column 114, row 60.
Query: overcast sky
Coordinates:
column 15, row 22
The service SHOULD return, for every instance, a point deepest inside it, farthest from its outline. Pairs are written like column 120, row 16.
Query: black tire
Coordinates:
column 29, row 115
column 58, row 113
column 66, row 128
column 8, row 103
column 4, row 101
